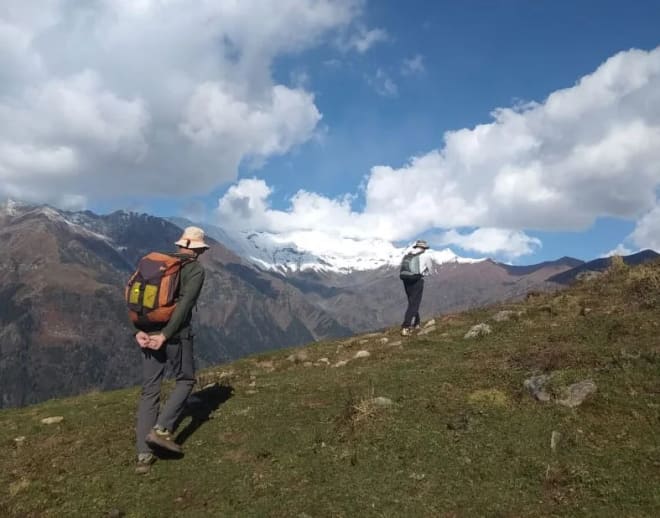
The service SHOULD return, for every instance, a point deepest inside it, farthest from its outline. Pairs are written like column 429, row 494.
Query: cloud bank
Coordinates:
column 587, row 151
column 156, row 97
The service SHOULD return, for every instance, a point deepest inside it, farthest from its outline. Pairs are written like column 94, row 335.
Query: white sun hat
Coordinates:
column 193, row 238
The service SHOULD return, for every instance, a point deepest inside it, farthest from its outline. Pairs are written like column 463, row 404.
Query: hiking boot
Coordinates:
column 406, row 331
column 144, row 462
column 163, row 439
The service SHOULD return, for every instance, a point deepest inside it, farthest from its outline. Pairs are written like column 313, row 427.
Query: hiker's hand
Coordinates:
column 142, row 339
column 156, row 341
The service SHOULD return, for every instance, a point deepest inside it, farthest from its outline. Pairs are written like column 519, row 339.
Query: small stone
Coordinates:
column 382, row 401
column 430, row 323
column 362, row 354
column 384, row 340
column 576, row 393
column 535, row 386
column 555, row 437
column 585, row 311
column 298, row 357
column 252, row 384
column 308, row 364
column 340, row 363
column 478, row 330
column 20, row 440
column 52, row 420
column 427, row 330
column 324, row 360
column 116, row 513
column 398, row 342
column 362, row 342
column 371, row 335
column 268, row 365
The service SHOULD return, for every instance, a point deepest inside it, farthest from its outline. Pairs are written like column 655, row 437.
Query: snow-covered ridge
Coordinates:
column 78, row 222
column 315, row 251
column 285, row 253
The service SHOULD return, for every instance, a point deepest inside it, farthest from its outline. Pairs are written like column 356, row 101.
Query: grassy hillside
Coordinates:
column 458, row 435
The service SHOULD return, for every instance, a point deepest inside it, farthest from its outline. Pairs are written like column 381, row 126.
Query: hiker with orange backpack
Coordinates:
column 161, row 296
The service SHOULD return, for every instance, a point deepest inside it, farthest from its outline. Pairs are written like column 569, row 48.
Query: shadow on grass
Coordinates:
column 200, row 406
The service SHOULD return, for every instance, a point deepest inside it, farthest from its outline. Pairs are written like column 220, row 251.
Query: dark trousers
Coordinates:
column 414, row 290
column 180, row 357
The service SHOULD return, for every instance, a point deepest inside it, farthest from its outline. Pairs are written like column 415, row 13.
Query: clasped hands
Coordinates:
column 146, row 341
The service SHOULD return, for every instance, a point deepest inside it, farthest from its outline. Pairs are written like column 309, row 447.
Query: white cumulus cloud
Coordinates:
column 647, row 231
column 587, row 151
column 490, row 241
column 166, row 97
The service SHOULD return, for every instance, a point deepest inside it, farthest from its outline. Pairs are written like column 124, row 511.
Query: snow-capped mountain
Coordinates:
column 318, row 252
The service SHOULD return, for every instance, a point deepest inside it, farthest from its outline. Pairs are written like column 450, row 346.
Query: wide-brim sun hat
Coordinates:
column 421, row 243
column 193, row 238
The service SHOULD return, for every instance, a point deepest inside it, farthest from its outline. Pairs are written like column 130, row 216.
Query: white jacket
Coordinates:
column 424, row 259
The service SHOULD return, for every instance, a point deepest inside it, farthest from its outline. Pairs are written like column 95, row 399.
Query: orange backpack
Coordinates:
column 152, row 290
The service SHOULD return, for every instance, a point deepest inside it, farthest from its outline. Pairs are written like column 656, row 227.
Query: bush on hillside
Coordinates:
column 643, row 284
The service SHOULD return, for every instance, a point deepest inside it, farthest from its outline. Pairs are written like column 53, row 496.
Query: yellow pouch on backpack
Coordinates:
column 150, row 294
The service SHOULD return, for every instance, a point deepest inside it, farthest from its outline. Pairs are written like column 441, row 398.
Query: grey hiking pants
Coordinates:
column 179, row 354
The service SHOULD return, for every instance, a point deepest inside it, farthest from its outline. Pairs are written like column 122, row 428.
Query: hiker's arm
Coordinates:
column 426, row 264
column 188, row 296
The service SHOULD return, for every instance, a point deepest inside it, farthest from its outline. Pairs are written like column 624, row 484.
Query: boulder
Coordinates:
column 52, row 420
column 575, row 394
column 478, row 330
column 534, row 386
column 504, row 315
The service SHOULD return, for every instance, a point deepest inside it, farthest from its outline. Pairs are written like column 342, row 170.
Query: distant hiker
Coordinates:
column 414, row 266
column 161, row 296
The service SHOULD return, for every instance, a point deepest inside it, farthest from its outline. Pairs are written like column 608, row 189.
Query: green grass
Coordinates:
column 461, row 438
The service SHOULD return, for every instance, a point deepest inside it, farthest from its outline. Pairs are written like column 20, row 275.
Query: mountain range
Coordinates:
column 63, row 324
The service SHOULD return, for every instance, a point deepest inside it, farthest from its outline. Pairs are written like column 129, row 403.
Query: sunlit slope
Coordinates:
column 434, row 425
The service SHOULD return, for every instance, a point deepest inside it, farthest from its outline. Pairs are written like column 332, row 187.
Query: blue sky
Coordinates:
column 362, row 84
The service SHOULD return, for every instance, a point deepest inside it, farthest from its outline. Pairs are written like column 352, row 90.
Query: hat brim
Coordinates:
column 193, row 245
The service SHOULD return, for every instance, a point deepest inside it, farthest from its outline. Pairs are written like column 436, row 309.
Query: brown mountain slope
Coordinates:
column 63, row 325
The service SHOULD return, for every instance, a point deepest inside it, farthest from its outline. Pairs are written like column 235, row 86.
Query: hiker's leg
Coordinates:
column 418, row 301
column 415, row 300
column 410, row 310
column 153, row 367
column 180, row 356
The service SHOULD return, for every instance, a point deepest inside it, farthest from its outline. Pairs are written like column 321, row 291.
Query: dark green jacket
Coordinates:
column 191, row 282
